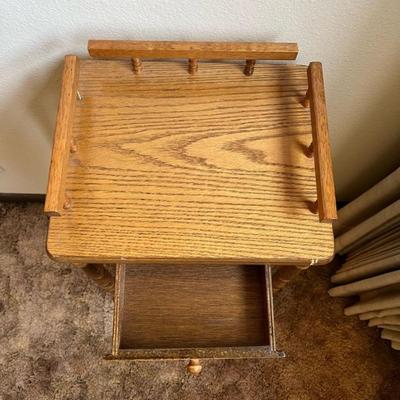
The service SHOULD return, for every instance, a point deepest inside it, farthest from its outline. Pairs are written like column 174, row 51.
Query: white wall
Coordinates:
column 358, row 43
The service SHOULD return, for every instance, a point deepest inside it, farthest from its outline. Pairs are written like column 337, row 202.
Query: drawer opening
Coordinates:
column 193, row 311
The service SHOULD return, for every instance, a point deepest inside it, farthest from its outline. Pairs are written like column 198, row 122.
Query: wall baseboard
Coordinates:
column 27, row 197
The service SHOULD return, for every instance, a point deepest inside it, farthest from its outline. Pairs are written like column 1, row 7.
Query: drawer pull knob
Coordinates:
column 194, row 366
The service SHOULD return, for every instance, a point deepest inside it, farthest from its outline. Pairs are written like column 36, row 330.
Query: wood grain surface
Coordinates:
column 55, row 198
column 321, row 146
column 173, row 167
column 193, row 306
column 202, row 50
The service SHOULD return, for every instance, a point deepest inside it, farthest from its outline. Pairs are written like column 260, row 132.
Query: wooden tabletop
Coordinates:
column 173, row 167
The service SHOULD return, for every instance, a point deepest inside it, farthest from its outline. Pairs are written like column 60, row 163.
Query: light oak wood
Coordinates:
column 321, row 146
column 73, row 147
column 180, row 168
column 100, row 275
column 193, row 66
column 249, row 68
column 194, row 366
column 309, row 152
column 313, row 206
column 56, row 198
column 284, row 274
column 306, row 100
column 137, row 65
column 199, row 50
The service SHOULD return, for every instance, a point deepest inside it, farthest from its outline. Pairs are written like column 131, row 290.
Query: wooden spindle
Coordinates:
column 193, row 66
column 314, row 207
column 67, row 203
column 100, row 275
column 73, row 147
column 249, row 68
column 309, row 151
column 194, row 366
column 306, row 100
column 283, row 275
column 137, row 65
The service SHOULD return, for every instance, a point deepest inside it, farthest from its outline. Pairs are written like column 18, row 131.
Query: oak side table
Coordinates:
column 195, row 172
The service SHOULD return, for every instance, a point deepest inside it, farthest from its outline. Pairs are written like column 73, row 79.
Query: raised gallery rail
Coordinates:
column 56, row 199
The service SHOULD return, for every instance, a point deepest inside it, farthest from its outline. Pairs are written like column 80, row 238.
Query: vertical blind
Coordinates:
column 368, row 238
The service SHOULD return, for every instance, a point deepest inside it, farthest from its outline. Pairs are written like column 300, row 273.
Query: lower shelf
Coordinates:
column 192, row 312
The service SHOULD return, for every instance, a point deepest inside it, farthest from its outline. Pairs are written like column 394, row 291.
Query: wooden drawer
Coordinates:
column 192, row 312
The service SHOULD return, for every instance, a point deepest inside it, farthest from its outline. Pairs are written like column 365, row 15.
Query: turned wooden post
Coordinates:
column 193, row 66
column 309, row 151
column 285, row 274
column 137, row 65
column 100, row 275
column 249, row 68
column 313, row 206
column 306, row 100
column 194, row 366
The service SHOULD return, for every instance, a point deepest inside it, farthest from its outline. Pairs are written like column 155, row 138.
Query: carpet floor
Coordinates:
column 55, row 328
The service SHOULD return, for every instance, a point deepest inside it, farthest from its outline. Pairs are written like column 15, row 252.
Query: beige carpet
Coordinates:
column 55, row 328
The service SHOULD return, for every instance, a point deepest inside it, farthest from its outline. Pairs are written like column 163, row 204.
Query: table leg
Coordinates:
column 100, row 275
column 284, row 274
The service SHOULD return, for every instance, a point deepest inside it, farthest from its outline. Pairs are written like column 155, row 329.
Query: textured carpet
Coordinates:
column 55, row 328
